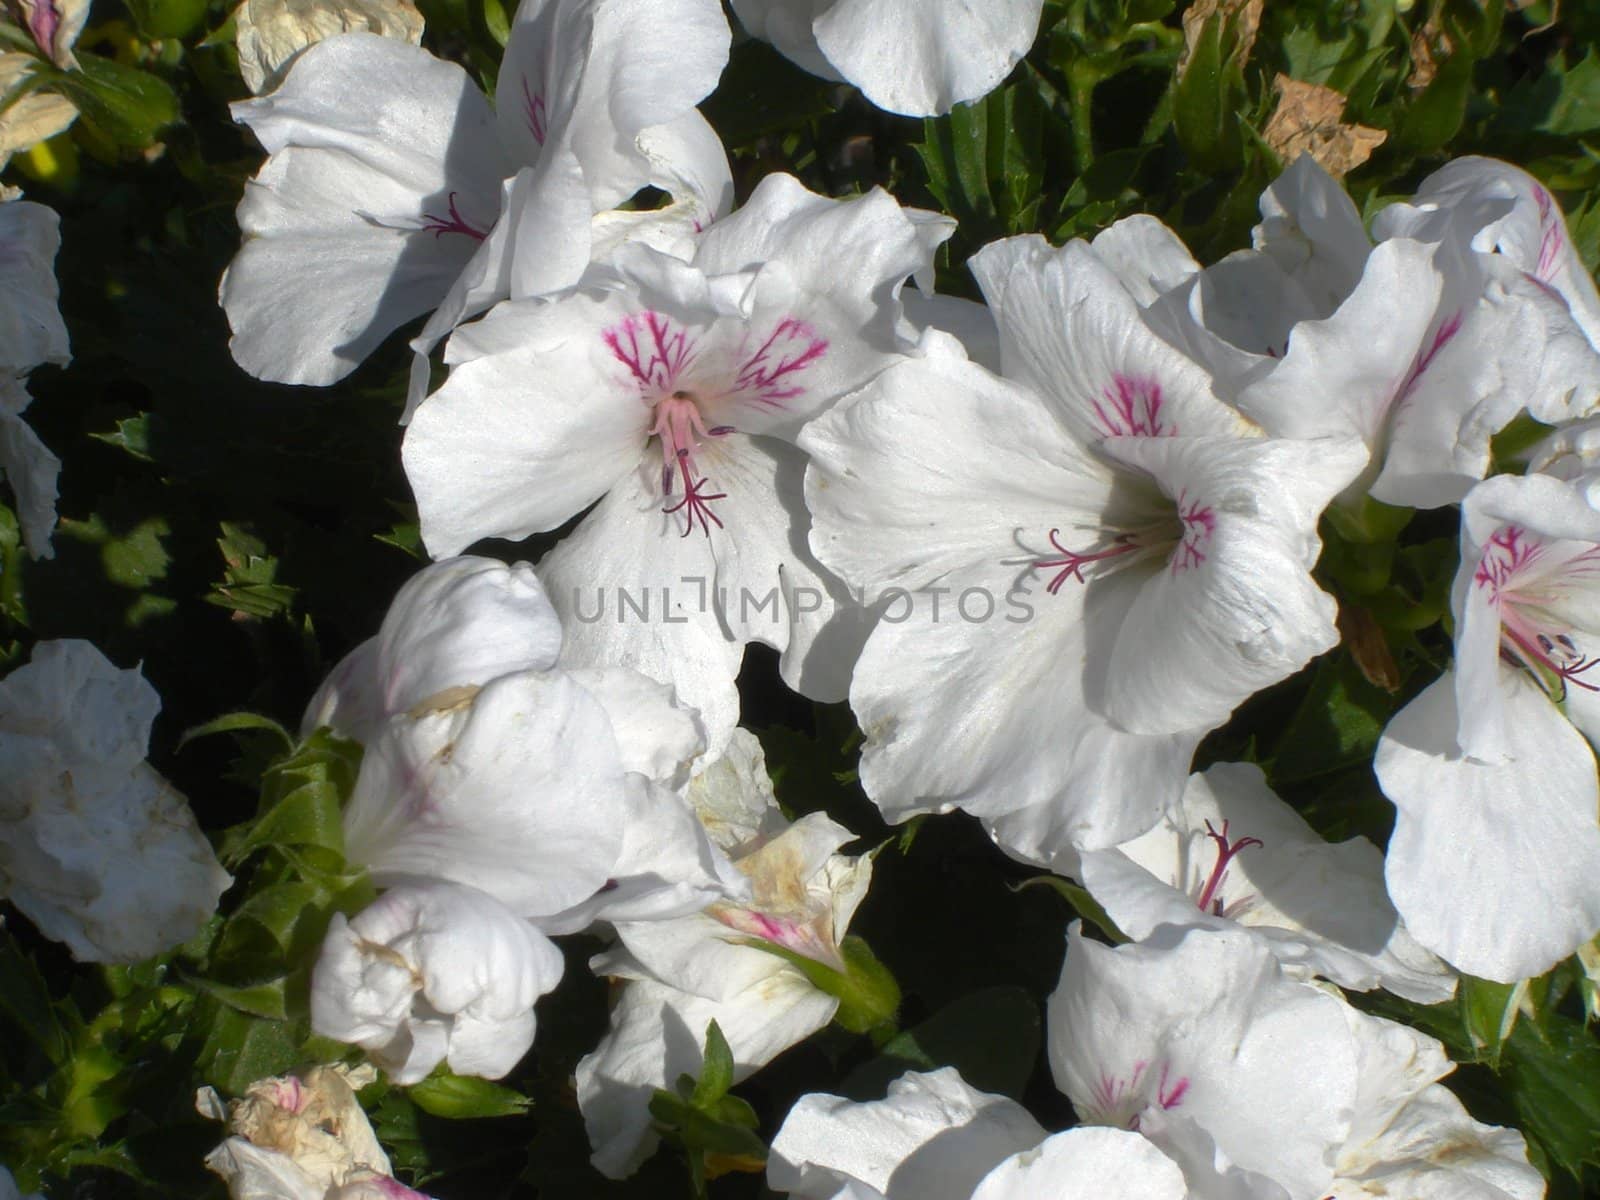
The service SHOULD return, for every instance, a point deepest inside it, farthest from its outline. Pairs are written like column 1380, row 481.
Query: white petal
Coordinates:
column 657, row 1033
column 1496, row 868
column 31, row 329
column 923, row 57
column 1311, row 229
column 668, row 866
column 252, row 1173
column 485, row 795
column 535, row 423
column 455, row 625
column 31, row 469
column 369, row 138
column 1146, row 256
column 1235, row 608
column 932, row 1138
column 1070, row 330
column 1087, row 1163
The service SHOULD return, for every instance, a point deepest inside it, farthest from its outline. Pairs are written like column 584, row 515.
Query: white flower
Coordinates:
column 1262, row 1087
column 670, row 392
column 1231, row 852
column 31, row 333
column 1174, row 547
column 1198, row 1041
column 1423, row 347
column 95, row 847
column 917, row 57
column 393, row 188
column 433, row 972
column 680, row 975
column 269, row 33
column 1495, row 858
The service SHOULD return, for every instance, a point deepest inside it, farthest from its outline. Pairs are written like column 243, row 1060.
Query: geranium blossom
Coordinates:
column 671, row 392
column 918, row 57
column 680, row 975
column 1231, row 852
column 433, row 972
column 1262, row 1087
column 1171, row 546
column 1495, row 858
column 268, row 34
column 391, row 181
column 96, row 848
column 1425, row 346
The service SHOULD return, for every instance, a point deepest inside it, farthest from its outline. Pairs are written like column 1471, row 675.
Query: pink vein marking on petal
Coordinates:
column 1551, row 241
column 1199, row 524
column 771, row 374
column 650, row 346
column 1507, row 552
column 1132, row 408
column 1419, row 367
column 533, row 109
column 455, row 223
column 1171, row 1097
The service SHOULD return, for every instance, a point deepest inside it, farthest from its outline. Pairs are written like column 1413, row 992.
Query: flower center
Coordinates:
column 1210, row 899
column 680, row 427
column 1183, row 537
column 1533, row 633
column 1121, row 1102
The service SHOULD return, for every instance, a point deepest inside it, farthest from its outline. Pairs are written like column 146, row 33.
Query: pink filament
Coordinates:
column 1072, row 563
column 1226, row 851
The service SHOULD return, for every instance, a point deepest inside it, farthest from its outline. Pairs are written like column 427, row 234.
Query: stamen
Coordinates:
column 1208, row 901
column 1072, row 562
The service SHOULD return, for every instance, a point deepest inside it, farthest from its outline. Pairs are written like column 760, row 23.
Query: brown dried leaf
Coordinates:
column 1307, row 121
column 1244, row 17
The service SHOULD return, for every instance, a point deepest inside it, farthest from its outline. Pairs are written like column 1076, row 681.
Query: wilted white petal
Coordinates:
column 95, row 847
column 269, row 33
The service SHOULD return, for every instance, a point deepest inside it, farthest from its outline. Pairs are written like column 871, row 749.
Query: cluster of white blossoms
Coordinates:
column 1044, row 546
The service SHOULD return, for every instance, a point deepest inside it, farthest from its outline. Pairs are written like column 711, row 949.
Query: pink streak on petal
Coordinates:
column 533, row 109
column 44, row 19
column 1199, row 525
column 772, row 374
column 1132, row 408
column 654, row 349
column 1173, row 1096
column 1446, row 333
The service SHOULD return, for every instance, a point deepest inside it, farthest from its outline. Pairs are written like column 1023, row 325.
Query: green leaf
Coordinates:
column 1489, row 1014
column 992, row 1036
column 1435, row 116
column 249, row 583
column 239, row 1049
column 867, row 993
column 458, row 1097
column 132, row 435
column 1085, row 905
column 301, row 799
column 716, row 1069
column 125, row 105
column 1208, row 93
column 167, row 18
column 25, row 1001
column 236, row 722
column 1552, row 1072
column 1336, row 726
column 264, row 1000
